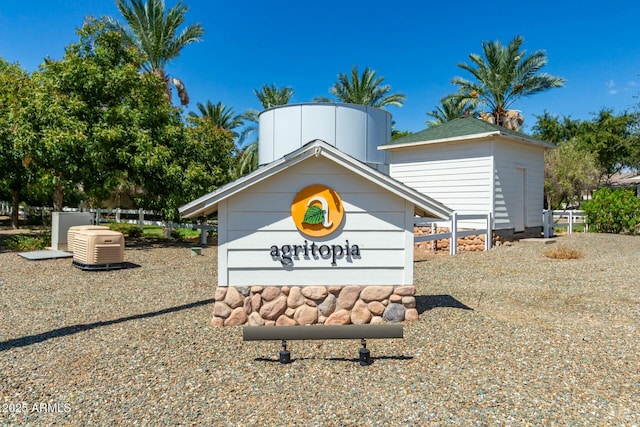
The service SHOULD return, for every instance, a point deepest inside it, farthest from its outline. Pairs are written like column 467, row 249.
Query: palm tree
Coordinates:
column 269, row 96
column 220, row 115
column 365, row 89
column 272, row 96
column 507, row 75
column 155, row 34
column 450, row 109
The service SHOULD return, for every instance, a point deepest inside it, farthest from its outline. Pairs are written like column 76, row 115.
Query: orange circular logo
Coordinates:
column 317, row 210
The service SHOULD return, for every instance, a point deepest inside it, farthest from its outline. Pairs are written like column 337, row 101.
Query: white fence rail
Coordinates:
column 454, row 232
column 135, row 216
column 562, row 218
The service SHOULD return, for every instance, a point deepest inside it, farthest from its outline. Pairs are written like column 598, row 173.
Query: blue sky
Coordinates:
column 415, row 45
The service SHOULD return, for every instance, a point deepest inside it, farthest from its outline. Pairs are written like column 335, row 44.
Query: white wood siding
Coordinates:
column 459, row 175
column 509, row 157
column 378, row 222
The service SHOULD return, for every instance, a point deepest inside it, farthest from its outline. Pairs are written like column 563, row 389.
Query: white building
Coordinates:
column 473, row 166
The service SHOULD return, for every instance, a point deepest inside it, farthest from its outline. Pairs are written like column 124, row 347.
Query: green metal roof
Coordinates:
column 462, row 126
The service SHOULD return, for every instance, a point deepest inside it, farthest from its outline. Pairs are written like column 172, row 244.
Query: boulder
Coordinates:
column 237, row 317
column 405, row 290
column 409, row 302
column 285, row 321
column 328, row 306
column 233, row 299
column 273, row 309
column 306, row 315
column 376, row 293
column 376, row 320
column 411, row 315
column 394, row 313
column 270, row 293
column 376, row 308
column 256, row 302
column 340, row 317
column 221, row 291
column 220, row 309
column 395, row 299
column 295, row 298
column 254, row 319
column 348, row 296
column 360, row 314
column 315, row 292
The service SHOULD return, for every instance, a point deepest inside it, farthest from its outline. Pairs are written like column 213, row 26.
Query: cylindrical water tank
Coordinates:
column 356, row 130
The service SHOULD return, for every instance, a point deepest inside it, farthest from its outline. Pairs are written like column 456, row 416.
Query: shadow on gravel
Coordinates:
column 428, row 302
column 70, row 330
column 334, row 359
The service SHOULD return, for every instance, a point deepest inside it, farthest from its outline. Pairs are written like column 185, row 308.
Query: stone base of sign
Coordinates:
column 308, row 305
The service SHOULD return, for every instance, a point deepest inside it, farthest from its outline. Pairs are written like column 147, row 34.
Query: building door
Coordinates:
column 520, row 205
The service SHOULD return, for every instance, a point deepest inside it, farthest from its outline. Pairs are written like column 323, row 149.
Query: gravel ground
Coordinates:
column 505, row 337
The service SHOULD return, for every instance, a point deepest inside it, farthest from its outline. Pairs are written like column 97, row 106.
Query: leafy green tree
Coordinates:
column 194, row 164
column 613, row 211
column 505, row 75
column 157, row 35
column 555, row 129
column 220, row 115
column 450, row 109
column 364, row 89
column 570, row 171
column 614, row 139
column 15, row 93
column 98, row 123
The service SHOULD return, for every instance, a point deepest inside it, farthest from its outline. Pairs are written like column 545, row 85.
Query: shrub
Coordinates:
column 562, row 252
column 129, row 230
column 613, row 211
column 26, row 242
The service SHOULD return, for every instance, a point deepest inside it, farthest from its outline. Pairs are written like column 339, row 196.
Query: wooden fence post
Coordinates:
column 140, row 219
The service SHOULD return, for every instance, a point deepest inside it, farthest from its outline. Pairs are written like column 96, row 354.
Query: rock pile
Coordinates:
column 308, row 305
column 465, row 243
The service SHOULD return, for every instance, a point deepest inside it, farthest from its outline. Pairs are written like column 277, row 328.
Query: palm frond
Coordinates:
column 365, row 89
column 504, row 75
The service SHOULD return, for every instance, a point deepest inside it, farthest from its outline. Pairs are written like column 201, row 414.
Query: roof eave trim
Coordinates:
column 473, row 136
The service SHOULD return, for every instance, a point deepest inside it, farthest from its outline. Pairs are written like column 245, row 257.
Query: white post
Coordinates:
column 140, row 219
column 203, row 233
column 570, row 222
column 169, row 229
column 433, row 242
column 118, row 215
column 488, row 241
column 453, row 246
column 547, row 230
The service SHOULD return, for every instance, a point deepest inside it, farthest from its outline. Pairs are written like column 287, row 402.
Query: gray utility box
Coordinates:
column 60, row 224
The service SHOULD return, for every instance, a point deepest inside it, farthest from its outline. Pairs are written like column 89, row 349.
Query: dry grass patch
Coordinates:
column 562, row 252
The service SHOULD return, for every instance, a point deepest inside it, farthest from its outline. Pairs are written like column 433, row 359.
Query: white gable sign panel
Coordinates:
column 315, row 223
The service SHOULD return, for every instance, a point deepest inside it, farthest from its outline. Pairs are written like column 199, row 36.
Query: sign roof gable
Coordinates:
column 207, row 204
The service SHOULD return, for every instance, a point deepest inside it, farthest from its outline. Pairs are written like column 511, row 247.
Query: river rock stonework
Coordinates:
column 308, row 305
